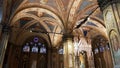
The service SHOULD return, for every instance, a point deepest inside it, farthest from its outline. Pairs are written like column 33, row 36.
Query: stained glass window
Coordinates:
column 26, row 48
column 35, row 46
column 60, row 51
column 36, row 39
column 96, row 50
column 101, row 48
column 43, row 49
column 34, row 49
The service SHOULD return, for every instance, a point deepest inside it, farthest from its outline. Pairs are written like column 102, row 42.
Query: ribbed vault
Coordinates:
column 51, row 19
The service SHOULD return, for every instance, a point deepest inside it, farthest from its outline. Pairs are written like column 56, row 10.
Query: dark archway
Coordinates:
column 101, row 51
column 32, row 54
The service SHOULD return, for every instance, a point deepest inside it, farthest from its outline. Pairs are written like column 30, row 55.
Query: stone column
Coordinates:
column 3, row 44
column 49, row 65
column 10, row 56
column 111, row 14
column 54, row 58
column 68, row 52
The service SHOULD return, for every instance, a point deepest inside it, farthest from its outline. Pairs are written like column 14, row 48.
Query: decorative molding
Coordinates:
column 106, row 3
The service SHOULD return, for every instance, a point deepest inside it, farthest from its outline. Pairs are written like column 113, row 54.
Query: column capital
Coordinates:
column 67, row 36
column 105, row 3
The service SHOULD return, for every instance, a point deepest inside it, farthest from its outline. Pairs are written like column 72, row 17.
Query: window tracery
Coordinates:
column 35, row 46
column 43, row 49
column 26, row 48
column 60, row 51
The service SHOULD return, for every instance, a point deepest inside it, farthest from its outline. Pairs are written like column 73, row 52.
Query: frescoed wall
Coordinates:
column 112, row 22
column 114, row 39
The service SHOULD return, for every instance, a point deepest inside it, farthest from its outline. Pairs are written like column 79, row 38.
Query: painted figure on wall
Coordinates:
column 82, row 60
column 116, row 47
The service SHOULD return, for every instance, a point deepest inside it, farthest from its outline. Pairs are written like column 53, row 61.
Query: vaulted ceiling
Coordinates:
column 53, row 19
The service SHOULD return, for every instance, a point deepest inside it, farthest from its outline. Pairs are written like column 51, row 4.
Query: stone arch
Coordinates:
column 35, row 7
column 20, row 40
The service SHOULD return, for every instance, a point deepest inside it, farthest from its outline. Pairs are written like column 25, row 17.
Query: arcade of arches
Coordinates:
column 59, row 34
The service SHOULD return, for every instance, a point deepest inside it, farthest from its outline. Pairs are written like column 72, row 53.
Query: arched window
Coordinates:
column 101, row 48
column 26, row 48
column 43, row 49
column 96, row 51
column 35, row 46
column 34, row 49
column 60, row 51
